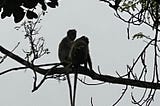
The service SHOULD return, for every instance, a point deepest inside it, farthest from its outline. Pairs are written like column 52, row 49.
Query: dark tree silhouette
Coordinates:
column 139, row 12
column 20, row 8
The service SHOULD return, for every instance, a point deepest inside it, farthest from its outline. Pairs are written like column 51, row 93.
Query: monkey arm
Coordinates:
column 89, row 61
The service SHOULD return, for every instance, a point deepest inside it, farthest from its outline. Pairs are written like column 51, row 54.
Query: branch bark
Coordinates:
column 83, row 71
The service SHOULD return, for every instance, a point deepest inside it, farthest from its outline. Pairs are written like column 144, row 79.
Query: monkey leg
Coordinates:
column 75, row 86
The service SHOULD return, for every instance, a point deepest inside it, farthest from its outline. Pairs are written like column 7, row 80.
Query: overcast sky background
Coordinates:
column 109, row 47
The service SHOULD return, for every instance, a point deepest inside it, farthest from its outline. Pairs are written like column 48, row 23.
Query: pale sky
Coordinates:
column 109, row 47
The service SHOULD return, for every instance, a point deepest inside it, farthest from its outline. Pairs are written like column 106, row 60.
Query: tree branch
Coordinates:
column 83, row 71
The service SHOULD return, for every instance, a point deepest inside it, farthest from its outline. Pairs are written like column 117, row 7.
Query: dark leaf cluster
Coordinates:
column 21, row 8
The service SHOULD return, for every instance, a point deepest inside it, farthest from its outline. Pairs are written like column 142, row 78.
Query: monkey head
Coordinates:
column 71, row 34
column 79, row 51
column 85, row 39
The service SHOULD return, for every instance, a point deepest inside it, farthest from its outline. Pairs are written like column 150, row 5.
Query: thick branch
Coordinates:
column 21, row 60
column 83, row 71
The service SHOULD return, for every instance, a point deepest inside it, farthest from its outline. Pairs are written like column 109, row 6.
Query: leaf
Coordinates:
column 30, row 3
column 6, row 12
column 18, row 14
column 3, row 15
column 31, row 14
column 44, row 7
column 52, row 4
column 139, row 35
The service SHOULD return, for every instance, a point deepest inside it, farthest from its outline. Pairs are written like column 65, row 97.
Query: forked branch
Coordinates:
column 83, row 71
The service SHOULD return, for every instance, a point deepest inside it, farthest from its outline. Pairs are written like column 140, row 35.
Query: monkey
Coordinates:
column 79, row 54
column 63, row 54
column 65, row 46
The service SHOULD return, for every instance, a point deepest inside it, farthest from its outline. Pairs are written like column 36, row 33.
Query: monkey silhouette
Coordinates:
column 79, row 54
column 63, row 54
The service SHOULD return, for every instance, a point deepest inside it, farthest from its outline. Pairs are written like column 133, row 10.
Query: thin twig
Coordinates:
column 90, row 83
column 4, row 57
column 42, row 81
column 92, row 101
column 123, row 93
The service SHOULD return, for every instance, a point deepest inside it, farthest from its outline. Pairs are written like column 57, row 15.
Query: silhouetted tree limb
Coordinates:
column 83, row 71
column 138, row 12
column 20, row 68
column 123, row 93
column 4, row 57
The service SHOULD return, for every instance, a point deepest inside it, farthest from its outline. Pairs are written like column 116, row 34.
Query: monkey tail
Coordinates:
column 75, row 86
column 70, row 88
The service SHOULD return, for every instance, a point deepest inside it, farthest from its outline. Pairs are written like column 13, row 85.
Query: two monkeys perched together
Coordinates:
column 73, row 52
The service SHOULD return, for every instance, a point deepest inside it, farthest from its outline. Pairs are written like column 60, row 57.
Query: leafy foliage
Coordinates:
column 139, row 35
column 20, row 8
column 138, row 12
column 135, row 12
column 37, row 47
